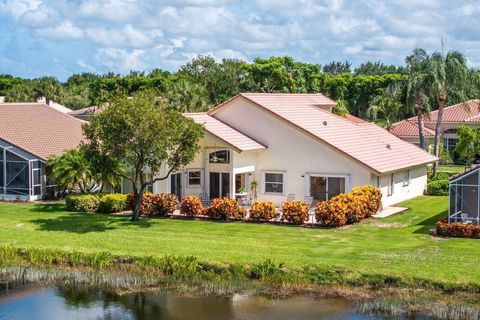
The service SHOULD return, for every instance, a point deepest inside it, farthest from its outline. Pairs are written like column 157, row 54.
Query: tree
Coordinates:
column 417, row 98
column 337, row 67
column 48, row 87
column 388, row 105
column 20, row 93
column 377, row 68
column 187, row 96
column 468, row 144
column 446, row 74
column 341, row 108
column 144, row 137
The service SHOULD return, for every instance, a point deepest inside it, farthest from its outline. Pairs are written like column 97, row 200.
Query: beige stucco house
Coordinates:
column 275, row 145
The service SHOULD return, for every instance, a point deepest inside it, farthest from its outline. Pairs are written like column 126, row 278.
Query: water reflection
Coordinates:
column 29, row 302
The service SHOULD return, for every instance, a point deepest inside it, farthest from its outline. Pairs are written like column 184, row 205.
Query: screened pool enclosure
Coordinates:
column 464, row 201
column 21, row 174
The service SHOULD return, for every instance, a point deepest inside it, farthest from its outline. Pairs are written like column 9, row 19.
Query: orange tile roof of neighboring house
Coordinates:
column 39, row 129
column 354, row 119
column 225, row 133
column 366, row 143
column 409, row 128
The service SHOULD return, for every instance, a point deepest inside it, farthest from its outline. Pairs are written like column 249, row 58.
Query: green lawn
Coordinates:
column 451, row 169
column 399, row 245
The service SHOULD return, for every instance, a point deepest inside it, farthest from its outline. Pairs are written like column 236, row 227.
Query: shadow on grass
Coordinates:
column 50, row 207
column 429, row 223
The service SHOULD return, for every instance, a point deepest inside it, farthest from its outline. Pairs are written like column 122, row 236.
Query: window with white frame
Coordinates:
column 219, row 156
column 194, row 178
column 274, row 182
column 406, row 178
column 391, row 184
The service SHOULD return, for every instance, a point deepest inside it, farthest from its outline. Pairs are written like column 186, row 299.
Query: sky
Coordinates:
column 59, row 38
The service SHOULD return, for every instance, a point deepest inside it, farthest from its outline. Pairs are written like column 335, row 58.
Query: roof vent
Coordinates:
column 389, row 146
column 325, row 123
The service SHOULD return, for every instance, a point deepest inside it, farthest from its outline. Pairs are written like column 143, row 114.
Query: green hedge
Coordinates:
column 437, row 188
column 79, row 202
column 115, row 202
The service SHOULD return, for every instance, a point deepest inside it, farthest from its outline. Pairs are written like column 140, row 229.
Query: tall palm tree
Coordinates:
column 446, row 74
column 341, row 108
column 387, row 104
column 187, row 96
column 417, row 98
column 48, row 87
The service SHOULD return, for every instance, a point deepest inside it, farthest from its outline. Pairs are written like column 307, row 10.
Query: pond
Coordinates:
column 59, row 302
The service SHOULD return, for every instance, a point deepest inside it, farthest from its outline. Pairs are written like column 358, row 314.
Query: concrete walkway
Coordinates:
column 388, row 211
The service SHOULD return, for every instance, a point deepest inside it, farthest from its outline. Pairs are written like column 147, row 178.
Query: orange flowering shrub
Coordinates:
column 225, row 209
column 191, row 206
column 263, row 210
column 331, row 214
column 372, row 197
column 147, row 206
column 457, row 230
column 164, row 203
column 295, row 212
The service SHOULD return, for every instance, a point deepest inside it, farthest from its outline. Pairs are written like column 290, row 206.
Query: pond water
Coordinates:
column 34, row 302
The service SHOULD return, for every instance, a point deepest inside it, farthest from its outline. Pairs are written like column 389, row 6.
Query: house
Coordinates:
column 464, row 197
column 275, row 145
column 29, row 134
column 466, row 113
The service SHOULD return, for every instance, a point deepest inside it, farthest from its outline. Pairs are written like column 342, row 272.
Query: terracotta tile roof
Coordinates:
column 39, row 129
column 409, row 128
column 354, row 119
column 366, row 143
column 224, row 132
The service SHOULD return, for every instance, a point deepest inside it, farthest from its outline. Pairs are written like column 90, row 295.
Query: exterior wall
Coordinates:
column 401, row 192
column 290, row 151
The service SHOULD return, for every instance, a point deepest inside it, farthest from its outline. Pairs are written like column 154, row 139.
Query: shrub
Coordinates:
column 82, row 202
column 115, row 202
column 457, row 230
column 164, row 203
column 372, row 197
column 147, row 205
column 437, row 188
column 225, row 209
column 295, row 211
column 191, row 206
column 331, row 214
column 263, row 210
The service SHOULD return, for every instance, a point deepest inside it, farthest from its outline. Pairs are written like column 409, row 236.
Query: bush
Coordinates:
column 82, row 202
column 191, row 206
column 263, row 210
column 115, row 202
column 164, row 203
column 295, row 211
column 437, row 188
column 457, row 230
column 147, row 205
column 225, row 209
column 371, row 196
column 332, row 213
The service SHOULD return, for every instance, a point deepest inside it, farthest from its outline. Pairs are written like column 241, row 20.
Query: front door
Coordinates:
column 176, row 184
column 219, row 184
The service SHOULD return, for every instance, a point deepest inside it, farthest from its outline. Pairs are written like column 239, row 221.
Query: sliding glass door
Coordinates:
column 219, row 184
column 323, row 188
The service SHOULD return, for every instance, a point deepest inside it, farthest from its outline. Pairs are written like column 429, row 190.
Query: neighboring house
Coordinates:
column 465, row 113
column 54, row 105
column 464, row 200
column 29, row 134
column 84, row 113
column 280, row 144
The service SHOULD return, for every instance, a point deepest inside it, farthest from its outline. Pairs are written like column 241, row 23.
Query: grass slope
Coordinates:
column 399, row 245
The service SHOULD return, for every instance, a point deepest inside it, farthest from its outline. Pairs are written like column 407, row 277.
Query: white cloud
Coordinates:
column 31, row 13
column 121, row 60
column 65, row 30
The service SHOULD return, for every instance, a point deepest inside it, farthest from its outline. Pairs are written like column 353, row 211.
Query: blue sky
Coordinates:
column 63, row 37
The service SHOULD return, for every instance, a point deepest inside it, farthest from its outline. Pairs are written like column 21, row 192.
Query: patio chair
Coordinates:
column 205, row 199
column 465, row 218
column 309, row 200
column 290, row 196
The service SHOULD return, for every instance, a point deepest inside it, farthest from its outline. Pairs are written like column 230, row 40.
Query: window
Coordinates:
column 194, row 178
column 274, row 182
column 406, row 178
column 149, row 187
column 391, row 184
column 220, row 156
column 449, row 143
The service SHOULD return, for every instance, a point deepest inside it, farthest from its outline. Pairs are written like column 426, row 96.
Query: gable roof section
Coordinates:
column 409, row 128
column 39, row 129
column 366, row 143
column 225, row 133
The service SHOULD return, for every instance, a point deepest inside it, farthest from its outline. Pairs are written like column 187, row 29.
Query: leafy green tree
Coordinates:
column 48, row 87
column 417, row 91
column 20, row 93
column 187, row 96
column 341, row 108
column 337, row 67
column 468, row 144
column 377, row 68
column 143, row 137
column 387, row 105
column 446, row 74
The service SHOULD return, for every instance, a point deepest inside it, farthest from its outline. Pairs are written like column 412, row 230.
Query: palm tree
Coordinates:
column 417, row 98
column 387, row 104
column 48, row 87
column 187, row 96
column 446, row 74
column 341, row 108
